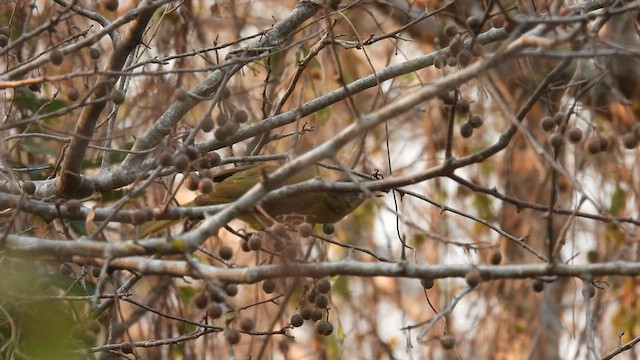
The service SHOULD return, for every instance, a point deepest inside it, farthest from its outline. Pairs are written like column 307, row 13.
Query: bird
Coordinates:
column 315, row 207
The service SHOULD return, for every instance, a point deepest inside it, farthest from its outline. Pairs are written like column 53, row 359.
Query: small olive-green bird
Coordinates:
column 316, row 207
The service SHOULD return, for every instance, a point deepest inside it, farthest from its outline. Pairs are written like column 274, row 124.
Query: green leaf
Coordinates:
column 618, row 201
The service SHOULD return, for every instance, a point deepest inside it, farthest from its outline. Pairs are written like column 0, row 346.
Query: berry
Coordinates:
column 225, row 252
column 94, row 54
column 279, row 229
column 232, row 336
column 328, row 228
column 207, row 124
column 324, row 327
column 575, row 135
column 226, row 93
column 556, row 141
column 214, row 310
column 73, row 94
column 246, row 324
column 451, row 30
column 629, row 140
column 323, row 286
column 427, row 283
column 537, row 285
column 205, row 186
column 117, row 96
column 316, row 315
column 231, row 290
column 589, row 291
column 181, row 162
column 201, row 300
column 440, row 61
column 473, row 278
column 548, row 124
column 466, row 130
column 447, row 342
column 306, row 313
column 296, row 320
column 192, row 182
column 464, row 57
column 241, row 116
column 126, row 348
column 268, row 286
column 255, row 242
column 165, row 159
column 462, row 106
column 56, row 57
column 476, row 121
column 28, row 187
column 111, row 5
column 558, row 118
column 139, row 216
column 496, row 257
column 456, row 46
column 322, row 301
column 305, row 229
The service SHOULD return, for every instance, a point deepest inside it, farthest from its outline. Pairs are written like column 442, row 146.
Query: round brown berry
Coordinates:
column 56, row 57
column 476, row 121
column 279, row 229
column 205, row 186
column 126, row 348
column 225, row 252
column 268, row 286
column 306, row 313
column 329, row 228
column 296, row 320
column 427, row 283
column 201, row 300
column 241, row 116
column 255, row 242
column 466, row 130
column 556, row 141
column 246, row 324
column 575, row 135
column 473, row 278
column 588, row 291
column 316, row 314
column 94, row 53
column 305, row 229
column 117, row 96
column 214, row 310
column 447, row 342
column 181, row 94
column 73, row 94
column 451, row 30
column 322, row 301
column 548, row 124
column 231, row 290
column 629, row 140
column 496, row 257
column 464, row 57
column 29, row 188
column 537, row 285
column 232, row 336
column 323, row 286
column 191, row 182
column 181, row 162
column 207, row 124
column 139, row 217
column 111, row 5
